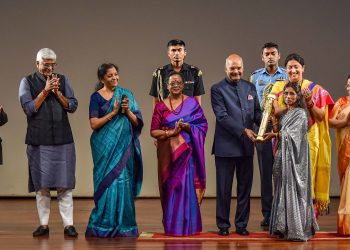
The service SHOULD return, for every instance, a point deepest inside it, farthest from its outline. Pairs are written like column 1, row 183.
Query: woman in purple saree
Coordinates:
column 180, row 127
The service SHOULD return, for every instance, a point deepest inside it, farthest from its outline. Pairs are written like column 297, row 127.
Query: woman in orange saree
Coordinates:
column 340, row 120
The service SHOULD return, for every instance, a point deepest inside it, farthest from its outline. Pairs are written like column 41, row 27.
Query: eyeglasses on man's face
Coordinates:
column 48, row 65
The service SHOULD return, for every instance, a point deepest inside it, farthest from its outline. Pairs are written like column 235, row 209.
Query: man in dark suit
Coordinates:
column 236, row 107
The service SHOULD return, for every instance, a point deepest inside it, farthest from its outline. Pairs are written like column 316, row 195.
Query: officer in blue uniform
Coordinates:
column 262, row 78
column 192, row 75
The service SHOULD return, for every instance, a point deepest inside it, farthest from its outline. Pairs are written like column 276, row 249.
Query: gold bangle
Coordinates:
column 166, row 133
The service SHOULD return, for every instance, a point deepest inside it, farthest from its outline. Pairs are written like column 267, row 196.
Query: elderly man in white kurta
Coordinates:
column 46, row 98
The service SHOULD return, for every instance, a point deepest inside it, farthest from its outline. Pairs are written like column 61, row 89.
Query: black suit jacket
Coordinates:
column 236, row 107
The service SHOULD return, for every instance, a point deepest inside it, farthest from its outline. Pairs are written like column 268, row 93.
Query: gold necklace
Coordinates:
column 171, row 105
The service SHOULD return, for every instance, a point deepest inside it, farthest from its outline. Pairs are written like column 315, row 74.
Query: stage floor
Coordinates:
column 18, row 218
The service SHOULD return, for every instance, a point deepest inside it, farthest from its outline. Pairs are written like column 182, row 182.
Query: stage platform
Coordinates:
column 18, row 218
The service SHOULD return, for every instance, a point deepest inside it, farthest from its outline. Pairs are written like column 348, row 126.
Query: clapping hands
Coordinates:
column 52, row 83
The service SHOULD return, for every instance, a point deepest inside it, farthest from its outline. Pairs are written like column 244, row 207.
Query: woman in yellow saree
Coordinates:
column 340, row 120
column 319, row 104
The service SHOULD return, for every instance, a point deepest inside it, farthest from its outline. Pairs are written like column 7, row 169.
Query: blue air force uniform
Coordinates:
column 261, row 78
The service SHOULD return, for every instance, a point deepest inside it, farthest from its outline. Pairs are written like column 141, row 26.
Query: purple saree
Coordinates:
column 181, row 167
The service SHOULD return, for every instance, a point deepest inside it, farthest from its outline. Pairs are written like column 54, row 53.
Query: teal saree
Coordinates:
column 117, row 172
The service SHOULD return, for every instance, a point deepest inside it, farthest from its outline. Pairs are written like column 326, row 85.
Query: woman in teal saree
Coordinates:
column 117, row 122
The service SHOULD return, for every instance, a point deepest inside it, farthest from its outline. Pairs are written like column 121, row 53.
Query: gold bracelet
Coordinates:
column 167, row 133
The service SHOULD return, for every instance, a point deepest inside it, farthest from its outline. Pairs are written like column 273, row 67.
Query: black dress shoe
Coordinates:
column 70, row 231
column 41, row 231
column 242, row 231
column 223, row 232
column 265, row 222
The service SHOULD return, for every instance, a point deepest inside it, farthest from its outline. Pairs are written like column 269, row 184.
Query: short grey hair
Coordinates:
column 45, row 53
column 228, row 60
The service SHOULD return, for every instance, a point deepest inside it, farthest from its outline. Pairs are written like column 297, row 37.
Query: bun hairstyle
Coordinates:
column 102, row 71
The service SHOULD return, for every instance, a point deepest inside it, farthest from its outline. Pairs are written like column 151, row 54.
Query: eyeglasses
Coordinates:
column 48, row 65
column 175, row 83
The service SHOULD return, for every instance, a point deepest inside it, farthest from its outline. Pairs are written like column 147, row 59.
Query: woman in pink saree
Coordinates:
column 180, row 127
column 340, row 120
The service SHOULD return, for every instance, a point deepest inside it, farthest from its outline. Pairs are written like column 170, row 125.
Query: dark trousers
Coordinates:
column 265, row 160
column 225, row 170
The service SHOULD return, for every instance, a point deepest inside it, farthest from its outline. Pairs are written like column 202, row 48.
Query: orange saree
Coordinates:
column 340, row 111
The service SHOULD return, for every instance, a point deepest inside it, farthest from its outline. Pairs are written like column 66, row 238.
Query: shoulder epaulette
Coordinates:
column 257, row 71
column 200, row 73
column 194, row 67
column 155, row 73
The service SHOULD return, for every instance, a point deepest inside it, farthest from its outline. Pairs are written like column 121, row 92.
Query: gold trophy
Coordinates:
column 267, row 107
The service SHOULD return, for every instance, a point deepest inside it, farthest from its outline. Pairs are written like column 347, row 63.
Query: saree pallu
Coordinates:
column 181, row 169
column 292, row 214
column 319, row 142
column 117, row 173
column 341, row 111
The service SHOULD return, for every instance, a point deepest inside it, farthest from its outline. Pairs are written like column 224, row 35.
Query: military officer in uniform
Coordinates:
column 263, row 79
column 193, row 76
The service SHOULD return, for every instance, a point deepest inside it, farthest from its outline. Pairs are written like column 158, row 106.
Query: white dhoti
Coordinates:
column 65, row 205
